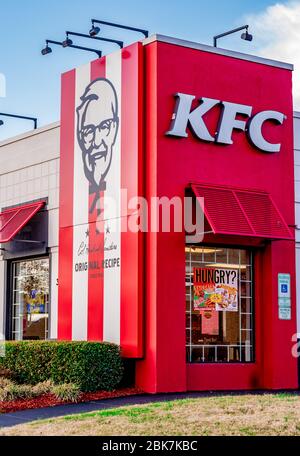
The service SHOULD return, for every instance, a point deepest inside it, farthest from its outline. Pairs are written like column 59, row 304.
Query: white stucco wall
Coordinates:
column 29, row 170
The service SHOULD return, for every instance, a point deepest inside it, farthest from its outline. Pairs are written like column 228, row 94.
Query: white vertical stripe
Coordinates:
column 112, row 212
column 80, row 222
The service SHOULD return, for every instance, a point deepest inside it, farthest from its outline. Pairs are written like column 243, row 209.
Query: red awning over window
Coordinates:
column 13, row 220
column 242, row 212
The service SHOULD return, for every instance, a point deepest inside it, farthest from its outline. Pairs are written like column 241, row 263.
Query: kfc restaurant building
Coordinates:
column 162, row 118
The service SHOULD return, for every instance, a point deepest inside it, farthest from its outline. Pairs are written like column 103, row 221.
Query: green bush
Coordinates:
column 90, row 365
column 66, row 392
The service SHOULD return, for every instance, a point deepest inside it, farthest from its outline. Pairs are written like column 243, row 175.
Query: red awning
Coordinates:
column 242, row 212
column 13, row 220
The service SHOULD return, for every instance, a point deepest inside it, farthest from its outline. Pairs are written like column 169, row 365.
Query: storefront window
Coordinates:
column 219, row 305
column 30, row 299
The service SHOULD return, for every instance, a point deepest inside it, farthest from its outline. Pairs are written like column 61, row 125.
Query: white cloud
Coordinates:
column 277, row 33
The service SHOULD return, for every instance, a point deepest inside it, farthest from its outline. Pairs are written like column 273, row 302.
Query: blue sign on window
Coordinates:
column 284, row 288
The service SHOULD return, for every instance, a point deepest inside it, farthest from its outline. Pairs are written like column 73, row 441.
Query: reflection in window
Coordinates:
column 219, row 305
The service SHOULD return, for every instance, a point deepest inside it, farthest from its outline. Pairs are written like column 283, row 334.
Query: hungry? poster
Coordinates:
column 215, row 289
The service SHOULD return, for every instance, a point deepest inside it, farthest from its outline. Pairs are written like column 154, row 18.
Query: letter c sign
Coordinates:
column 255, row 130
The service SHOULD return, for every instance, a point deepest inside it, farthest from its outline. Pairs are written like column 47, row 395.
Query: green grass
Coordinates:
column 136, row 413
column 244, row 415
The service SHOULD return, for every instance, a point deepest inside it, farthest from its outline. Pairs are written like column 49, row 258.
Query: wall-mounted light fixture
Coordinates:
column 17, row 116
column 47, row 49
column 83, row 35
column 244, row 36
column 95, row 30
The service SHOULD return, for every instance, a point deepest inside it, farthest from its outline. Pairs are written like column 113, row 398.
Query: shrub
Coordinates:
column 5, row 394
column 11, row 391
column 90, row 365
column 4, row 382
column 66, row 392
column 22, row 391
column 42, row 388
column 6, row 389
column 5, row 373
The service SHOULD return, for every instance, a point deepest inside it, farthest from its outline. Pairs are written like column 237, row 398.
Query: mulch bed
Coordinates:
column 49, row 400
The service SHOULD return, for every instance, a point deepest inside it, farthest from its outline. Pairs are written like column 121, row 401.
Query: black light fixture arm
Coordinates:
column 108, row 40
column 244, row 27
column 82, row 48
column 16, row 116
column 126, row 27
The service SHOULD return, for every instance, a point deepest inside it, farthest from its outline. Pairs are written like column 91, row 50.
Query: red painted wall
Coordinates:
column 170, row 165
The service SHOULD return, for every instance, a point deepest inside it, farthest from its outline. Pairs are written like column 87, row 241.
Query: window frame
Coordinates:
column 189, row 345
column 9, row 293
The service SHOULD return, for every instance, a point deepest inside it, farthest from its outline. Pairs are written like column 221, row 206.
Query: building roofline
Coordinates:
column 30, row 133
column 215, row 50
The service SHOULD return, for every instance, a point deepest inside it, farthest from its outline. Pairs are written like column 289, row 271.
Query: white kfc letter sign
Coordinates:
column 184, row 117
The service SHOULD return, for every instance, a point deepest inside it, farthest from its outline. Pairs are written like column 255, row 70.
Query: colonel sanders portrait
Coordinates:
column 97, row 129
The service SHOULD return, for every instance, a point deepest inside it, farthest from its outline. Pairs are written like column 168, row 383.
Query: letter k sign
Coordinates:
column 183, row 115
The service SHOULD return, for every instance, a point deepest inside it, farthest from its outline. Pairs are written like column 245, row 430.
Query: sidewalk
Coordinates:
column 27, row 416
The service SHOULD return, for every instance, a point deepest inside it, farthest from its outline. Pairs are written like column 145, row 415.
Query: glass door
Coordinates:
column 30, row 299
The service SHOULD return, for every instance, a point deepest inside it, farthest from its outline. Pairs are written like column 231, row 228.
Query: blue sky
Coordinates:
column 33, row 81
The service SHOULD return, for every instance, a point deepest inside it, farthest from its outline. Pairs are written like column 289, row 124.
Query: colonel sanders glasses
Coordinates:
column 89, row 133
